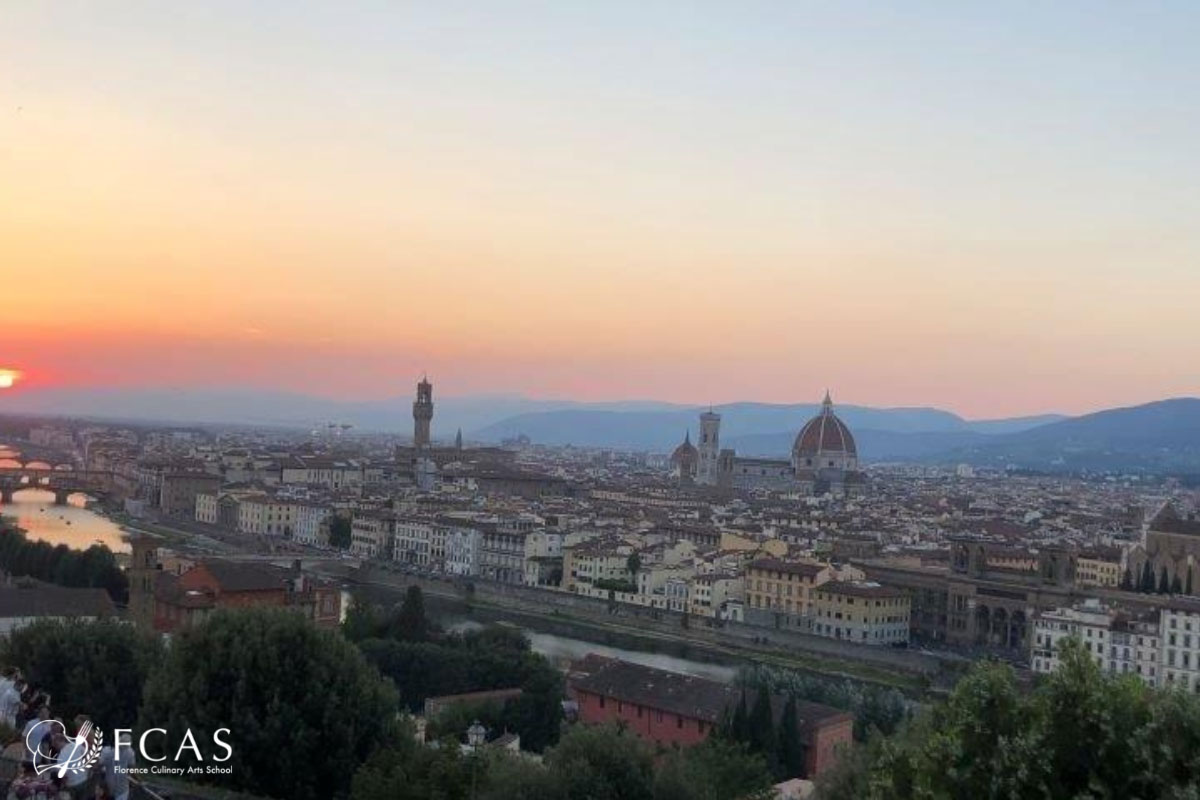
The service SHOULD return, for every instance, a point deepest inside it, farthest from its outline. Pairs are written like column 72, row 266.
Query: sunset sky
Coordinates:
column 993, row 209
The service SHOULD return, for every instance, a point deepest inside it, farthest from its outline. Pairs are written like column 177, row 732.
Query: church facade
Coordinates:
column 824, row 459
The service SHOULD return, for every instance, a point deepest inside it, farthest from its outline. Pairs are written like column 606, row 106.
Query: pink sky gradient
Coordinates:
column 336, row 202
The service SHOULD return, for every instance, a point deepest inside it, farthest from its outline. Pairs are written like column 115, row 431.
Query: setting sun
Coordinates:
column 8, row 377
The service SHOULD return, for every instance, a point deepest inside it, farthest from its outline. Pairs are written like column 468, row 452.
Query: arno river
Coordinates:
column 72, row 524
column 79, row 528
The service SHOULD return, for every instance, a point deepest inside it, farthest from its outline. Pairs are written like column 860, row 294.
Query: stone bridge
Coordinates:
column 63, row 480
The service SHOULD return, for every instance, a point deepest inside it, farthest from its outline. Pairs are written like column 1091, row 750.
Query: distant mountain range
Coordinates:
column 287, row 409
column 759, row 429
column 1156, row 437
column 1160, row 436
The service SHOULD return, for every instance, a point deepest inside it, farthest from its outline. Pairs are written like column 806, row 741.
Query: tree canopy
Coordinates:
column 340, row 531
column 423, row 661
column 590, row 763
column 302, row 704
column 95, row 567
column 94, row 668
column 1077, row 734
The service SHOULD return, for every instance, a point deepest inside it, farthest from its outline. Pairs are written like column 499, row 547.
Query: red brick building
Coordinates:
column 180, row 601
column 671, row 708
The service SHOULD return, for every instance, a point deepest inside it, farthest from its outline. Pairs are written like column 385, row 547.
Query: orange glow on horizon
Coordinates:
column 532, row 207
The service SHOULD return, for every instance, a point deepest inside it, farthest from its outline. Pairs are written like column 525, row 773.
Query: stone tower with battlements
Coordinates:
column 422, row 413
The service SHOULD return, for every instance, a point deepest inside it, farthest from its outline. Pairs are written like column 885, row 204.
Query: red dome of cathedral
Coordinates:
column 686, row 453
column 824, row 434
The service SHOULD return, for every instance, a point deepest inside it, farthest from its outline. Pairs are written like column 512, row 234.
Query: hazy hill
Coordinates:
column 264, row 407
column 1159, row 436
column 754, row 428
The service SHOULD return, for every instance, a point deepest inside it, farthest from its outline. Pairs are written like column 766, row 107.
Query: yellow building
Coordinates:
column 778, row 588
column 1099, row 568
column 861, row 611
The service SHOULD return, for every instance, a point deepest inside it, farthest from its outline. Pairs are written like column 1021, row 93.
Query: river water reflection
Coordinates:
column 72, row 524
column 560, row 649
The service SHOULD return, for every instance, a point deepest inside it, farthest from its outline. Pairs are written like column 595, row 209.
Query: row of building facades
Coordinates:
column 949, row 560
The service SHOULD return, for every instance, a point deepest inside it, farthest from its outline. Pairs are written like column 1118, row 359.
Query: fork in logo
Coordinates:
column 79, row 758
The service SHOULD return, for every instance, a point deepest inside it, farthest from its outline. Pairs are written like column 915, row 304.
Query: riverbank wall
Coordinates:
column 668, row 632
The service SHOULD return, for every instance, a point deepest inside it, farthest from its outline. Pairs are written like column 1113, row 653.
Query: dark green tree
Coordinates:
column 537, row 714
column 715, row 769
column 1147, row 582
column 506, row 778
column 95, row 567
column 410, row 623
column 302, row 705
column 1176, row 585
column 492, row 658
column 1164, row 584
column 340, row 532
column 1077, row 734
column 94, row 668
column 602, row 762
column 1127, row 580
column 761, row 735
column 405, row 770
column 739, row 723
column 790, row 759
column 1187, row 589
column 362, row 621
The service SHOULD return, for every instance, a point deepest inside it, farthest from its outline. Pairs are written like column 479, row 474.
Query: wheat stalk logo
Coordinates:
column 84, row 757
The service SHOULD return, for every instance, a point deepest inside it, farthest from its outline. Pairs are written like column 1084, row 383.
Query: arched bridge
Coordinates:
column 64, row 481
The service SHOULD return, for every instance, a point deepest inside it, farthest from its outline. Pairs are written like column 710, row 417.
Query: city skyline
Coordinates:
column 981, row 211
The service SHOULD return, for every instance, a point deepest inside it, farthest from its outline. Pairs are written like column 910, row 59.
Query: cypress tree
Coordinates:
column 1176, row 585
column 762, row 729
column 1127, row 581
column 1163, row 582
column 1147, row 582
column 740, row 725
column 791, row 749
column 1187, row 589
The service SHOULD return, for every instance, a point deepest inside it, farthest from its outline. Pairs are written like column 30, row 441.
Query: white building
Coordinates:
column 1180, row 635
column 502, row 551
column 543, row 558
column 462, row 550
column 1118, row 643
column 330, row 473
column 264, row 515
column 414, row 542
column 206, row 508
column 312, row 523
column 371, row 535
